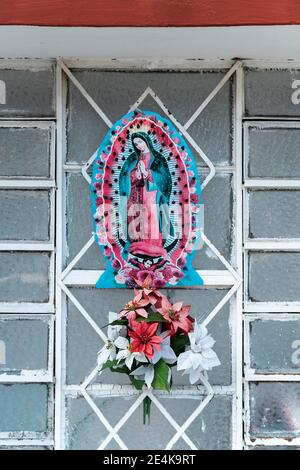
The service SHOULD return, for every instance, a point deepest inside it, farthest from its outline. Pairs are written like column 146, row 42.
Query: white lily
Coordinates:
column 126, row 354
column 200, row 356
column 109, row 352
column 147, row 372
column 166, row 352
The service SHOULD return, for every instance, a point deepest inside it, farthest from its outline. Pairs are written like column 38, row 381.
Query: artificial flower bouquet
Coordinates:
column 150, row 336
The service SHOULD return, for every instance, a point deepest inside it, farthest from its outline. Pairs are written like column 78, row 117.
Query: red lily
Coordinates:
column 135, row 307
column 145, row 340
column 177, row 315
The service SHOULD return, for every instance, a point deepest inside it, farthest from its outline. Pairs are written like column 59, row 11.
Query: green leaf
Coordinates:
column 138, row 384
column 161, row 376
column 153, row 318
column 116, row 323
column 122, row 369
column 178, row 343
column 109, row 364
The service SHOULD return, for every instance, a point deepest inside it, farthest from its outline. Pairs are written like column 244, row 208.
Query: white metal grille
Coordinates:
column 230, row 278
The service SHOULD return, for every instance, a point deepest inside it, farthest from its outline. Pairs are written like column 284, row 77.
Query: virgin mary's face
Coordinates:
column 140, row 144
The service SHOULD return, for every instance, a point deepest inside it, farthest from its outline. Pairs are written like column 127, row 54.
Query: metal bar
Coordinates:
column 252, row 376
column 28, row 124
column 272, row 441
column 195, row 413
column 27, row 442
column 75, row 260
column 150, row 64
column 26, row 307
column 272, row 245
column 264, row 307
column 26, row 246
column 80, row 277
column 123, row 420
column 171, row 420
column 104, row 420
column 27, row 376
column 83, row 311
column 83, row 91
column 237, row 303
column 24, row 184
column 177, row 391
column 59, row 227
column 208, row 99
column 272, row 183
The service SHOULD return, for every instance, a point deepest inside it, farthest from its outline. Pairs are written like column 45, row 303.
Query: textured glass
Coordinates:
column 273, row 214
column 210, row 430
column 26, row 345
column 28, row 93
column 211, row 129
column 217, row 204
column 24, row 151
column 24, row 277
column 269, row 92
column 26, row 215
column 80, row 223
column 274, row 276
column 23, row 407
column 275, row 346
column 275, row 409
column 273, row 152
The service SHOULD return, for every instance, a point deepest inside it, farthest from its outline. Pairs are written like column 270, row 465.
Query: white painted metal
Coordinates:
column 47, row 442
column 26, row 307
column 211, row 96
column 32, row 184
column 84, row 93
column 26, row 246
column 60, row 343
column 147, row 64
column 272, row 245
column 218, row 279
column 237, row 301
column 263, row 307
column 272, row 183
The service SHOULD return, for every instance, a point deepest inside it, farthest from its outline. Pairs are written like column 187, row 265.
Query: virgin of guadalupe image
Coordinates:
column 146, row 181
column 146, row 202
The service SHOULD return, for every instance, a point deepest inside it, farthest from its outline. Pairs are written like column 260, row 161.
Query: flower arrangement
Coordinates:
column 150, row 336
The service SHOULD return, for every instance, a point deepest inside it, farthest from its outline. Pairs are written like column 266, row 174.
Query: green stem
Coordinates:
column 146, row 410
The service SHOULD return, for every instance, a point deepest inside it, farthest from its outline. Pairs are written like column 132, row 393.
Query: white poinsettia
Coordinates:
column 109, row 351
column 166, row 352
column 126, row 354
column 146, row 372
column 200, row 356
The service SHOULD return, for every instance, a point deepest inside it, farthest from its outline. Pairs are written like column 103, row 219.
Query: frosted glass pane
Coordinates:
column 274, row 276
column 275, row 409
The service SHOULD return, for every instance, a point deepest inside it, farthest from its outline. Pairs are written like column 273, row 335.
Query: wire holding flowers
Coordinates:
column 150, row 336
